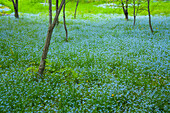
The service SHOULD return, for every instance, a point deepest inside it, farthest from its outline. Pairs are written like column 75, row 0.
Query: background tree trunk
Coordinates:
column 15, row 4
column 150, row 24
column 64, row 19
column 57, row 11
column 125, row 9
column 50, row 12
column 47, row 42
column 126, row 13
column 134, row 14
column 76, row 9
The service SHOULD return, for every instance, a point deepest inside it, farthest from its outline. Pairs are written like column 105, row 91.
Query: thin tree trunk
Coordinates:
column 76, row 9
column 57, row 11
column 134, row 14
column 125, row 10
column 64, row 19
column 123, row 7
column 126, row 14
column 150, row 25
column 50, row 12
column 47, row 42
column 16, row 8
column 45, row 50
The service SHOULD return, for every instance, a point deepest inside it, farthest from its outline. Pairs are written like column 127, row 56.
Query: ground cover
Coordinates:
column 107, row 66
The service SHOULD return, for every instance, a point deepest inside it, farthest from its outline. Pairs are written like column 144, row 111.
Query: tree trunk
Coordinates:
column 50, row 12
column 76, row 9
column 126, row 14
column 65, row 27
column 125, row 10
column 45, row 50
column 134, row 14
column 47, row 42
column 57, row 11
column 150, row 25
column 15, row 4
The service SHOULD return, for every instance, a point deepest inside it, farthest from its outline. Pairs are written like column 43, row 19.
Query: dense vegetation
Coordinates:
column 107, row 66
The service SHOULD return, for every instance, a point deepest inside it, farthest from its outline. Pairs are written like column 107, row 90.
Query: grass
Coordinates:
column 157, row 8
column 107, row 66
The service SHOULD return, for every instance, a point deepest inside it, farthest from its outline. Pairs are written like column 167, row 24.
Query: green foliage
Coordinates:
column 34, row 6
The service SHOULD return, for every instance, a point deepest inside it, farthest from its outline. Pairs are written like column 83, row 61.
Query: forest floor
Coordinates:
column 108, row 65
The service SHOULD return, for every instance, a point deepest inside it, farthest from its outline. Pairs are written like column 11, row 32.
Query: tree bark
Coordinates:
column 15, row 4
column 45, row 50
column 125, row 9
column 47, row 42
column 126, row 13
column 150, row 24
column 65, row 27
column 134, row 14
column 50, row 12
column 57, row 11
column 76, row 9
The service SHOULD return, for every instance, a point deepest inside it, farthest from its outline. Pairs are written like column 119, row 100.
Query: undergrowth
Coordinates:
column 107, row 66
